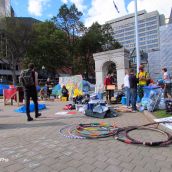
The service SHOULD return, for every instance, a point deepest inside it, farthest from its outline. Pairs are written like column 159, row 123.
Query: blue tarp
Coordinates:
column 87, row 86
column 56, row 90
column 22, row 109
column 3, row 86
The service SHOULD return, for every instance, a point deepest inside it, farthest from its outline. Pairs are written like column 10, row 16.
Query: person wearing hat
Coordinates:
column 143, row 78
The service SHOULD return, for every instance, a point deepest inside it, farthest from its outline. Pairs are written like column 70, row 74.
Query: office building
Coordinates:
column 148, row 28
column 5, row 8
column 163, row 57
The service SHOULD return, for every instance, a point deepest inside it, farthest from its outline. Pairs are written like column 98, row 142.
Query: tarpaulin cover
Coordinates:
column 3, row 86
column 8, row 93
column 150, row 95
column 56, row 90
column 87, row 86
column 22, row 109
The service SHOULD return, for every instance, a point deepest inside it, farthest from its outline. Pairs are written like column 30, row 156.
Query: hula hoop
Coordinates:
column 129, row 140
column 96, row 130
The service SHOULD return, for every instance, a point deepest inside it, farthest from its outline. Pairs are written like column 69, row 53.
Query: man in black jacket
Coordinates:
column 29, row 80
column 133, row 89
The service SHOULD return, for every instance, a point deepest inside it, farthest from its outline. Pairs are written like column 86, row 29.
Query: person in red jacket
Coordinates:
column 108, row 81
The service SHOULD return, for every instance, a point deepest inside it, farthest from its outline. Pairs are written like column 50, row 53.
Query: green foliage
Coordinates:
column 96, row 39
column 15, row 39
column 161, row 114
column 49, row 46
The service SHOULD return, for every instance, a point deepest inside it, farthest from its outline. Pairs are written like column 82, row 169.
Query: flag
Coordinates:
column 115, row 7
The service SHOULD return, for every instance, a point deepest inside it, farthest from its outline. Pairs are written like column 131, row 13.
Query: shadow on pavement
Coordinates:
column 30, row 125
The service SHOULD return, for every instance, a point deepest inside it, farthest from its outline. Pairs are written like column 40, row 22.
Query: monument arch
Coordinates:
column 117, row 60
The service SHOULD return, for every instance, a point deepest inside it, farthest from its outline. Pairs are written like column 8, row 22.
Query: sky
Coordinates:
column 93, row 10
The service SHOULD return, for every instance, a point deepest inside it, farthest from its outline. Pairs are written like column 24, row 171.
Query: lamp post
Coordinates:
column 137, row 38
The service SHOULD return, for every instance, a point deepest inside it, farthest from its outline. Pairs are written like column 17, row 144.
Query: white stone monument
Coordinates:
column 120, row 57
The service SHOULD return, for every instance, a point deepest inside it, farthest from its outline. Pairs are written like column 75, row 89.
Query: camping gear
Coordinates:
column 124, row 100
column 2, row 87
column 22, row 109
column 110, row 113
column 168, row 105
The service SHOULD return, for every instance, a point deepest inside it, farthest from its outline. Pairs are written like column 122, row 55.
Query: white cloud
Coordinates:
column 64, row 1
column 35, row 7
column 102, row 11
column 79, row 4
column 162, row 6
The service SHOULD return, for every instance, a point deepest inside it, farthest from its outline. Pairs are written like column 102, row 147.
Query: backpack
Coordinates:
column 27, row 78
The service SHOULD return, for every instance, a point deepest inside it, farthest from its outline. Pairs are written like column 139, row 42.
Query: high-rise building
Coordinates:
column 5, row 8
column 170, row 19
column 148, row 27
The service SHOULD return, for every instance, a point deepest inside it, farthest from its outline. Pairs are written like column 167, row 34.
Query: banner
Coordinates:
column 73, row 84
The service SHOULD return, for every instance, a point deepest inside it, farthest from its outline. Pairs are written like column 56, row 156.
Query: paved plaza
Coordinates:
column 37, row 146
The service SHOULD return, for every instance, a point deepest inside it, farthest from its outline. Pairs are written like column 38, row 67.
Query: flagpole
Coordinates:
column 137, row 37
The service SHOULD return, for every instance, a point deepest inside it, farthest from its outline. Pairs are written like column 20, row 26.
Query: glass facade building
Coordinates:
column 163, row 57
column 148, row 27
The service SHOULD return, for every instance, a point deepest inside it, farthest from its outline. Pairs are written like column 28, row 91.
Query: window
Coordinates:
column 142, row 30
column 141, row 21
column 153, row 46
column 151, row 18
column 152, row 41
column 141, row 25
column 141, row 34
column 142, row 39
column 152, row 37
column 152, row 27
column 151, row 23
column 152, row 32
column 129, row 33
column 142, row 43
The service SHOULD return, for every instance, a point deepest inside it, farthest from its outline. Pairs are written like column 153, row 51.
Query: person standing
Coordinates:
column 127, row 87
column 108, row 81
column 49, row 86
column 29, row 80
column 133, row 89
column 142, row 77
column 167, row 83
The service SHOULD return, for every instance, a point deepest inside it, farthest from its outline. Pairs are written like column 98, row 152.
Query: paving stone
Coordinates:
column 74, row 163
column 100, row 164
column 38, row 146
column 42, row 169
column 15, row 167
column 165, row 170
column 113, row 168
column 141, row 169
column 86, row 168
column 70, row 169
column 128, row 166
column 97, row 170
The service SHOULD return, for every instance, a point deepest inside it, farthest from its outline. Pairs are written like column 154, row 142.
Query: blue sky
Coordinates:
column 93, row 10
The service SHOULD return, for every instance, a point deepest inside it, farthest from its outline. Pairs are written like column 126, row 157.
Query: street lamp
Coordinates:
column 137, row 37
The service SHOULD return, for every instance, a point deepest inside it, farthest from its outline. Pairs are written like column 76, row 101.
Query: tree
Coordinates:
column 68, row 20
column 97, row 39
column 15, row 39
column 49, row 47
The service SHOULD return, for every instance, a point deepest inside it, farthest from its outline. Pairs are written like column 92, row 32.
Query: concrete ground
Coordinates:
column 37, row 146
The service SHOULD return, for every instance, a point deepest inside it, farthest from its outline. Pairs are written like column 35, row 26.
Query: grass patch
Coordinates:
column 162, row 114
